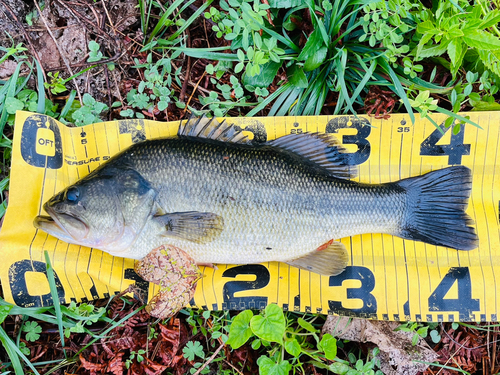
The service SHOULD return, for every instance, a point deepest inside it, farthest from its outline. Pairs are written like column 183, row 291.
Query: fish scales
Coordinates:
column 273, row 207
column 221, row 199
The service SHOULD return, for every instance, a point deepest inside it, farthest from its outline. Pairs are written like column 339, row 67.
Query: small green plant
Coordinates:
column 133, row 355
column 32, row 16
column 285, row 340
column 16, row 52
column 482, row 99
column 243, row 25
column 154, row 93
column 390, row 23
column 94, row 53
column 32, row 330
column 82, row 310
column 462, row 31
column 421, row 330
column 90, row 112
column 193, row 349
column 57, row 84
column 24, row 349
column 152, row 333
column 26, row 100
column 423, row 103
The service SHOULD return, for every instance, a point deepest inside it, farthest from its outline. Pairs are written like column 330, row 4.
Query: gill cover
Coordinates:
column 107, row 210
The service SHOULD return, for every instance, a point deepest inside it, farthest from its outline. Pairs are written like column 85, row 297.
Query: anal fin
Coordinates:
column 329, row 260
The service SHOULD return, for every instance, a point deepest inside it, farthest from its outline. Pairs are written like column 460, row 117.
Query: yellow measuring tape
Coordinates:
column 387, row 277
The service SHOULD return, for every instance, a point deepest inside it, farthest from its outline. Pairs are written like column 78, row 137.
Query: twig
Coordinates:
column 80, row 17
column 488, row 343
column 26, row 36
column 66, row 62
column 117, row 56
column 116, row 85
column 106, row 71
column 494, row 357
column 109, row 18
column 462, row 346
column 194, row 90
column 188, row 69
column 210, row 359
column 234, row 367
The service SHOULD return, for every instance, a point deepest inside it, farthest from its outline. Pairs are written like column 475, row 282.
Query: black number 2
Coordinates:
column 455, row 150
column 262, row 277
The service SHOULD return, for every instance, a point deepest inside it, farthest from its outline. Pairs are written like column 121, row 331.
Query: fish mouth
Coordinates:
column 61, row 225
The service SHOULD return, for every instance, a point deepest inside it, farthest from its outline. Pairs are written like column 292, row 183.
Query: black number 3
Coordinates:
column 359, row 139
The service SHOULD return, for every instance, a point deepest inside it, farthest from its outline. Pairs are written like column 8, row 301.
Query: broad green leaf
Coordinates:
column 427, row 27
column 240, row 331
column 455, row 51
column 12, row 105
column 340, row 368
column 270, row 326
column 306, row 325
column 268, row 367
column 265, row 77
column 4, row 311
column 293, row 347
column 491, row 59
column 314, row 61
column 435, row 336
column 485, row 106
column 481, row 40
column 455, row 32
column 329, row 345
column 491, row 19
column 297, row 77
column 32, row 330
column 313, row 45
column 434, row 50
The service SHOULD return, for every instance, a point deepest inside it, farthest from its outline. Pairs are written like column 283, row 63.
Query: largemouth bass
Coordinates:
column 221, row 199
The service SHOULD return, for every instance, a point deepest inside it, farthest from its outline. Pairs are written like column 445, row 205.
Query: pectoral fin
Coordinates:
column 329, row 261
column 199, row 227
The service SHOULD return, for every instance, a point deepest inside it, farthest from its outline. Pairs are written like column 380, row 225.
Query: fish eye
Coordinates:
column 72, row 194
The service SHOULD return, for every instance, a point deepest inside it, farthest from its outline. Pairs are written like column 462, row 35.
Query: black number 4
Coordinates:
column 464, row 303
column 455, row 150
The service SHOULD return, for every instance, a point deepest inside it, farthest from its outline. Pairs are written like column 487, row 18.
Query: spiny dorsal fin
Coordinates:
column 330, row 261
column 320, row 150
column 211, row 129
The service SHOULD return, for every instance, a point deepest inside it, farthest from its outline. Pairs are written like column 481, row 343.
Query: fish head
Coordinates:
column 106, row 210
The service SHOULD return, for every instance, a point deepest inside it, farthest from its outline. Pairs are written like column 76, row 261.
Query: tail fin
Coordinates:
column 436, row 204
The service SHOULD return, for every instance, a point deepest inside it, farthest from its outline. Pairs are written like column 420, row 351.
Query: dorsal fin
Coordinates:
column 322, row 151
column 211, row 129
